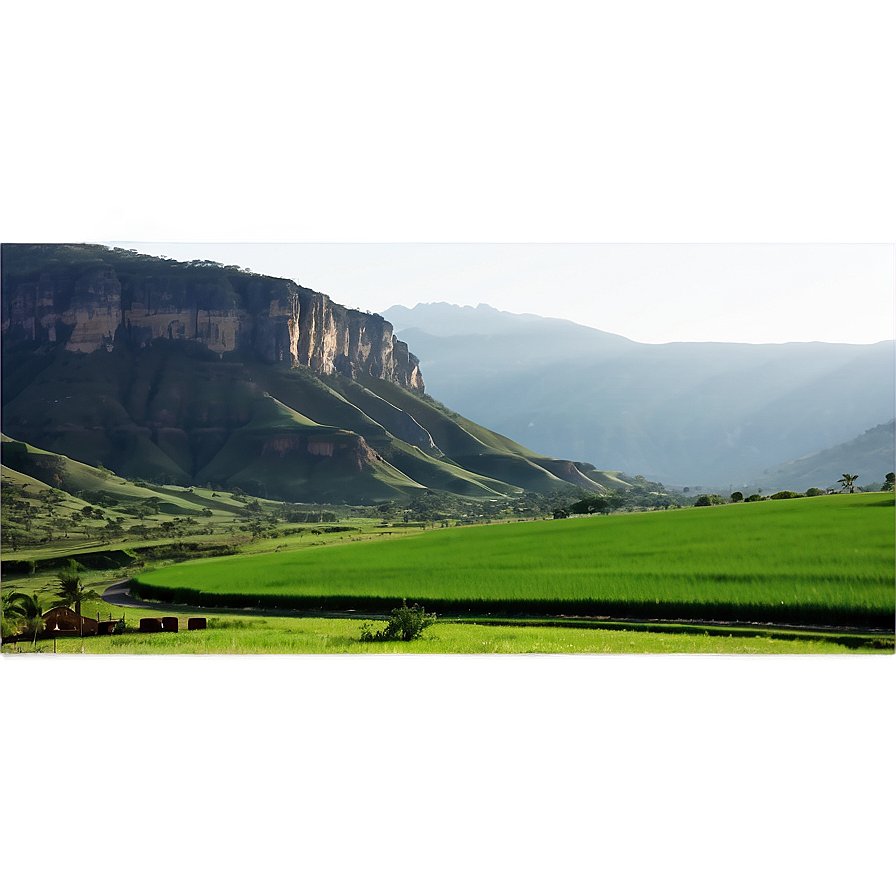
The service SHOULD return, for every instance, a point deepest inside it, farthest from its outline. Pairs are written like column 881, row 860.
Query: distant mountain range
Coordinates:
column 198, row 373
column 865, row 456
column 687, row 414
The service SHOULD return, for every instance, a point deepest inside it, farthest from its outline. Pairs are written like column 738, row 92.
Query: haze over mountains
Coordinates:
column 695, row 414
column 200, row 373
column 197, row 373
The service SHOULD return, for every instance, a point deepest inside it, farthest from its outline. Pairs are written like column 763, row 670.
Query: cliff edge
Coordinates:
column 90, row 298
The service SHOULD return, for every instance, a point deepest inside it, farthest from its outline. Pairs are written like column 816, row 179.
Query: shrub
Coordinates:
column 753, row 498
column 406, row 624
column 737, row 497
column 813, row 492
column 778, row 496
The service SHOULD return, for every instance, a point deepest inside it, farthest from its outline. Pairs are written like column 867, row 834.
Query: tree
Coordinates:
column 386, row 511
column 737, row 497
column 890, row 482
column 847, row 482
column 10, row 621
column 27, row 614
column 597, row 503
column 71, row 591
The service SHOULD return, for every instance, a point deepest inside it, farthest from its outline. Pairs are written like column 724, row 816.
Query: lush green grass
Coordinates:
column 268, row 635
column 826, row 560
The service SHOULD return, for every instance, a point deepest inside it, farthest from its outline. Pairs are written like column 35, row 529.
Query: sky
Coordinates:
column 729, row 170
column 758, row 293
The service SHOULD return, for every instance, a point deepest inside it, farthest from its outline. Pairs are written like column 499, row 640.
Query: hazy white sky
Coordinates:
column 710, row 126
column 647, row 292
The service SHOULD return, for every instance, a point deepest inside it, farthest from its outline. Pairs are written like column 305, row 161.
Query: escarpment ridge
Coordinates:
column 86, row 298
column 195, row 373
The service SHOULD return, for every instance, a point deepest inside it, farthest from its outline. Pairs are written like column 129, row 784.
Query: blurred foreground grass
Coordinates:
column 420, row 774
column 307, row 635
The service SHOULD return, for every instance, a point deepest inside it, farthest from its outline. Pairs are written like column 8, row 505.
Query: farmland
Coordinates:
column 231, row 634
column 820, row 561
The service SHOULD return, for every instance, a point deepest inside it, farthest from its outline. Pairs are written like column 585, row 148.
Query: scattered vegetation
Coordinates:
column 406, row 624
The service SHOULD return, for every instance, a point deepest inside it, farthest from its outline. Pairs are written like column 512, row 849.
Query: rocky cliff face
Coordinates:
column 87, row 298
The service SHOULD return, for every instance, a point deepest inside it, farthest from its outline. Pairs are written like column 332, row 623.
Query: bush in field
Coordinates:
column 813, row 492
column 708, row 500
column 737, row 497
column 779, row 496
column 753, row 498
column 406, row 624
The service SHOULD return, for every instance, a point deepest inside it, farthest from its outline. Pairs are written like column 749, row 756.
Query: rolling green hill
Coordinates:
column 869, row 456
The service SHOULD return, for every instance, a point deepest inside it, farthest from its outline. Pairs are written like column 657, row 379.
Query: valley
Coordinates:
column 244, row 447
column 717, row 416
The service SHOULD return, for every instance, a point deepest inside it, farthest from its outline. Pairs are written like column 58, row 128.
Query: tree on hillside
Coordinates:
column 890, row 481
column 847, row 482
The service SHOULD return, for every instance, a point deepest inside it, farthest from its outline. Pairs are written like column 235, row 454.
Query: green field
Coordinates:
column 814, row 561
column 229, row 634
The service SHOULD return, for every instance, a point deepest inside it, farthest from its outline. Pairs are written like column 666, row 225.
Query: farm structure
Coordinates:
column 63, row 622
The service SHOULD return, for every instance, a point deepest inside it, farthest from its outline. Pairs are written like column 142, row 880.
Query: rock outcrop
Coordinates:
column 91, row 297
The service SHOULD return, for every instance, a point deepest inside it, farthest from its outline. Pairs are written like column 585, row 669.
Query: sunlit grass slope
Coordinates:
column 827, row 560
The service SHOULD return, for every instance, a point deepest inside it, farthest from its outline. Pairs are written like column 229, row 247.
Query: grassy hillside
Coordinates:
column 869, row 456
column 827, row 561
column 176, row 413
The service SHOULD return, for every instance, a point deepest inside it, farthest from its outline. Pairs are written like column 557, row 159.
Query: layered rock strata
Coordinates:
column 266, row 318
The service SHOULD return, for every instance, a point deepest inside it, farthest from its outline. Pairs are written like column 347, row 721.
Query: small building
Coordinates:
column 62, row 622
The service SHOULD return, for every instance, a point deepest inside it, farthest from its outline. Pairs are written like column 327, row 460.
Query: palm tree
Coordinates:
column 9, row 622
column 846, row 482
column 70, row 591
column 28, row 612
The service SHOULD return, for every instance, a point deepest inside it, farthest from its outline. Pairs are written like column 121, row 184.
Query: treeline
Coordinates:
column 641, row 494
column 645, row 495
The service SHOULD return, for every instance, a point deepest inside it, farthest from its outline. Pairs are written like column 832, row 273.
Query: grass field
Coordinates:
column 826, row 560
column 272, row 635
